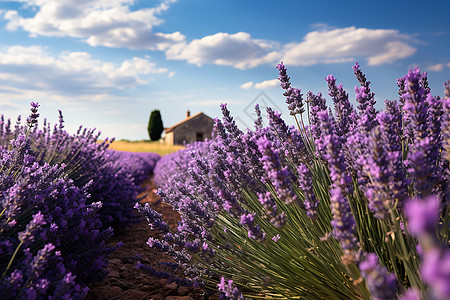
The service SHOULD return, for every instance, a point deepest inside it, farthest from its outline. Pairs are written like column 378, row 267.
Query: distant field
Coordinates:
column 144, row 146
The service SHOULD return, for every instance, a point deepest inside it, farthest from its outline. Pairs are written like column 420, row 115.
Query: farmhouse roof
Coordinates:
column 186, row 120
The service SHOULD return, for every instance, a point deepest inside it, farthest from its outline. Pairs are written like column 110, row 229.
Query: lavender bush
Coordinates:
column 110, row 177
column 51, row 242
column 354, row 204
column 139, row 165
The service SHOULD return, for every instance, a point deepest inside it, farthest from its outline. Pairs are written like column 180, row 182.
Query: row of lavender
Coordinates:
column 354, row 205
column 61, row 196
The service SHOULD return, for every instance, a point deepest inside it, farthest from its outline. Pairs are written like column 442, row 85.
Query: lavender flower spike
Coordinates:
column 435, row 271
column 423, row 216
column 294, row 98
column 27, row 236
column 305, row 181
column 32, row 119
column 381, row 284
column 229, row 289
column 344, row 225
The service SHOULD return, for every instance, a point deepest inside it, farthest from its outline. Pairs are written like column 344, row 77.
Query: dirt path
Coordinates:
column 124, row 281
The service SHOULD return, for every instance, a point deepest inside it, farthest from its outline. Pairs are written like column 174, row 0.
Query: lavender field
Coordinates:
column 352, row 203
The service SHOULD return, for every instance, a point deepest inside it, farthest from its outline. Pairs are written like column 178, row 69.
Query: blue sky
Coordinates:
column 108, row 63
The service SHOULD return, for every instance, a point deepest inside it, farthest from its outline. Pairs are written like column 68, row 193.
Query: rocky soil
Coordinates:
column 124, row 281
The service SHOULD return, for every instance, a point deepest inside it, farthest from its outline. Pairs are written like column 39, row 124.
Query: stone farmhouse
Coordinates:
column 194, row 128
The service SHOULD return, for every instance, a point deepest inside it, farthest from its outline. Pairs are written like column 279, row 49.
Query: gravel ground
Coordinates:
column 124, row 281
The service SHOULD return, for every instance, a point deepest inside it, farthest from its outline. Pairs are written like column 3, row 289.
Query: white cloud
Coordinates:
column 266, row 84
column 260, row 85
column 239, row 50
column 248, row 85
column 98, row 22
column 378, row 46
column 32, row 70
column 327, row 45
column 436, row 67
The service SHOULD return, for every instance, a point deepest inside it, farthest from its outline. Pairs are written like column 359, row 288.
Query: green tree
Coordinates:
column 155, row 126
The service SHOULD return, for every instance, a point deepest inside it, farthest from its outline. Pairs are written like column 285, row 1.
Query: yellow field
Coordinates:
column 144, row 146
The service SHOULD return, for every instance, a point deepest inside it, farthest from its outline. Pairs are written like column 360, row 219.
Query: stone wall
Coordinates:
column 198, row 128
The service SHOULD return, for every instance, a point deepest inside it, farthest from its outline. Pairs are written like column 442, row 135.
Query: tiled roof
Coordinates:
column 185, row 120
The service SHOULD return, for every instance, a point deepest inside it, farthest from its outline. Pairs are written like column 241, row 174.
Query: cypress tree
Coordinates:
column 155, row 126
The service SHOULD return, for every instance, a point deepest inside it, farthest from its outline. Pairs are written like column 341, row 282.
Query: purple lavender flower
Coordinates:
column 288, row 139
column 294, row 98
column 258, row 120
column 345, row 113
column 280, row 177
column 382, row 285
column 366, row 99
column 422, row 118
column 28, row 235
column 229, row 289
column 39, row 261
column 415, row 104
column 446, row 129
column 254, row 231
column 276, row 238
column 316, row 104
column 229, row 123
column 344, row 226
column 423, row 216
column 435, row 271
column 331, row 145
column 388, row 183
column 276, row 218
column 32, row 119
column 411, row 294
column 305, row 182
column 153, row 217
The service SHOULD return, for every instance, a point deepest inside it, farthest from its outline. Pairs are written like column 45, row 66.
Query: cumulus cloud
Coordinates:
column 114, row 23
column 266, row 84
column 70, row 74
column 99, row 22
column 260, row 85
column 324, row 45
column 436, row 67
column 239, row 50
column 248, row 85
column 378, row 46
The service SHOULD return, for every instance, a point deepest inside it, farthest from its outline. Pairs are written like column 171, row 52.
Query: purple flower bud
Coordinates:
column 276, row 238
column 422, row 215
column 280, row 177
column 381, row 284
column 39, row 261
column 28, row 235
column 305, row 182
column 435, row 271
column 229, row 289
column 32, row 119
column 294, row 98
column 411, row 294
column 346, row 116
